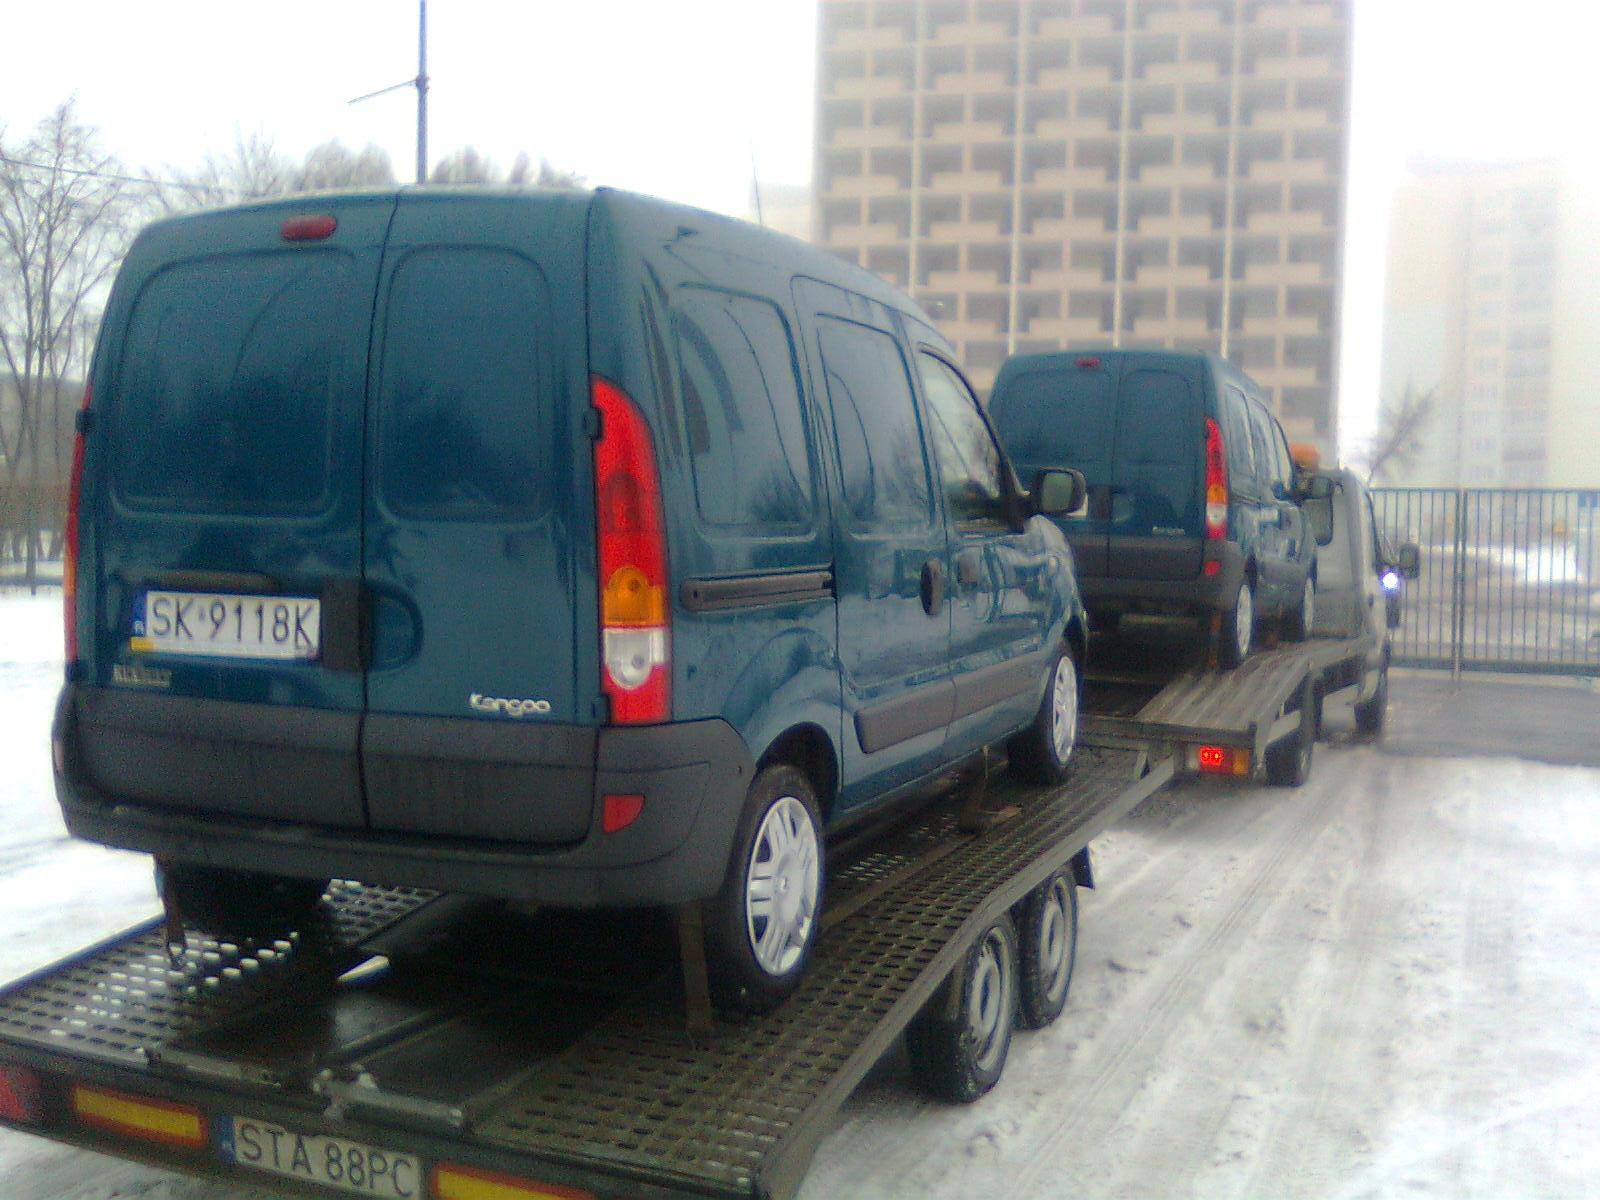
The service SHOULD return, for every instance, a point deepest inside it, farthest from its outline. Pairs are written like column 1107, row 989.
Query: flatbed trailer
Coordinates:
column 456, row 1050
column 1260, row 719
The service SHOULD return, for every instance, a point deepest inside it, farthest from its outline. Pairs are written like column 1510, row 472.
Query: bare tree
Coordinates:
column 252, row 170
column 467, row 166
column 64, row 209
column 333, row 165
column 1402, row 425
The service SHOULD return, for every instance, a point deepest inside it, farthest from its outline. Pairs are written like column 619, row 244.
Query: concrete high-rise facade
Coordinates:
column 1057, row 173
column 1491, row 309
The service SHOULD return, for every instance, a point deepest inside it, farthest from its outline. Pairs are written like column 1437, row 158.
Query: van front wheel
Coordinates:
column 761, row 926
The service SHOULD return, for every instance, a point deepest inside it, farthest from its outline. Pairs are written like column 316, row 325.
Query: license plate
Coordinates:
column 228, row 625
column 329, row 1161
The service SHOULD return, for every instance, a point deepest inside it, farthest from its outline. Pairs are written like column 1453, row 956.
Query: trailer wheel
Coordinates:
column 1238, row 627
column 1371, row 714
column 1289, row 761
column 224, row 902
column 1047, row 930
column 958, row 1043
column 761, row 926
column 1042, row 752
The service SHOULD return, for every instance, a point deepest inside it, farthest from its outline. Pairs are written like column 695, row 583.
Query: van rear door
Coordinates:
column 1157, row 522
column 223, row 515
column 1064, row 415
column 479, row 522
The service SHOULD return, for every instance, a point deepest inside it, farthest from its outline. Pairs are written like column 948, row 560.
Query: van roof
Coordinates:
column 1220, row 367
column 775, row 248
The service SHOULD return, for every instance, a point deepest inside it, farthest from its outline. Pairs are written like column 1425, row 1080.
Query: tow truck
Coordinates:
column 417, row 1046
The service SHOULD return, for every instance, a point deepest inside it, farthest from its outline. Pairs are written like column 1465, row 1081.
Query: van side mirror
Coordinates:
column 1057, row 493
column 1409, row 559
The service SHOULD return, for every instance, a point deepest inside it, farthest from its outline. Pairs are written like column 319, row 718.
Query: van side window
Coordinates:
column 741, row 410
column 881, row 456
column 462, row 426
column 970, row 465
column 1280, row 451
column 1236, row 439
column 1261, row 432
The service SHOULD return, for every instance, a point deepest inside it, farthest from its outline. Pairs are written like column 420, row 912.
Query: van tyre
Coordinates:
column 959, row 1042
column 1297, row 623
column 1237, row 632
column 762, row 924
column 1042, row 752
column 1047, row 933
column 1372, row 713
column 225, row 902
column 1289, row 761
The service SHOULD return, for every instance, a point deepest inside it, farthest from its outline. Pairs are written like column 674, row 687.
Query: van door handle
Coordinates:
column 932, row 587
column 967, row 568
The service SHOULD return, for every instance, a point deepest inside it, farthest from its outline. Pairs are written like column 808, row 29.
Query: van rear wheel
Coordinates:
column 761, row 926
column 1238, row 627
column 1042, row 752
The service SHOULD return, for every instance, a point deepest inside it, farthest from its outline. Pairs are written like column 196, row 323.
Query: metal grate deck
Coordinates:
column 597, row 1084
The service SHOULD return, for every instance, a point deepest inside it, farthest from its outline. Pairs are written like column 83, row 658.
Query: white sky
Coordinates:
column 670, row 99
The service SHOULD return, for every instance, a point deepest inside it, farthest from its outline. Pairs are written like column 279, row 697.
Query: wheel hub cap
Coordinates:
column 782, row 883
column 1064, row 709
column 989, row 1002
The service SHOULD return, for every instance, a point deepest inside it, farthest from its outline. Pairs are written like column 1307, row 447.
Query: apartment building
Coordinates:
column 1491, row 309
column 1054, row 173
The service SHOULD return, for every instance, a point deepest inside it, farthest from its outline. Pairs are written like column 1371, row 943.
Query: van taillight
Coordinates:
column 635, row 656
column 69, row 552
column 1216, row 484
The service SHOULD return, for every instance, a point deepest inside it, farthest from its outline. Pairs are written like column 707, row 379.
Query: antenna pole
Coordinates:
column 422, row 91
column 755, row 183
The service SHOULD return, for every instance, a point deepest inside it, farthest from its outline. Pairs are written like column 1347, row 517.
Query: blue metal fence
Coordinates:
column 1510, row 578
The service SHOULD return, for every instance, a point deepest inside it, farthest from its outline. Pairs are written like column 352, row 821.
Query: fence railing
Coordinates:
column 1510, row 578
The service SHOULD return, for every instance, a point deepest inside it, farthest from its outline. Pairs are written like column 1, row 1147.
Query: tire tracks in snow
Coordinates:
column 1112, row 1071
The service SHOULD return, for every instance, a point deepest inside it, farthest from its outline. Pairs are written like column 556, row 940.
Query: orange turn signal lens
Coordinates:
column 630, row 599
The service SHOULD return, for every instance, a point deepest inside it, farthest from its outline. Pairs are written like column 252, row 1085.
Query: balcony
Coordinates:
column 971, row 83
column 1176, row 175
column 855, row 186
column 867, row 87
column 1290, row 170
column 1287, row 222
column 868, row 39
column 870, row 137
column 1099, row 25
column 1069, row 279
column 1282, row 274
column 986, row 182
column 970, row 131
column 959, row 233
column 1177, row 225
column 958, row 34
column 1073, row 229
column 964, row 281
column 1201, row 70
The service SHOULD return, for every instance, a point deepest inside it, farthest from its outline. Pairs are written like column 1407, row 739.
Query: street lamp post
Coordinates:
column 421, row 84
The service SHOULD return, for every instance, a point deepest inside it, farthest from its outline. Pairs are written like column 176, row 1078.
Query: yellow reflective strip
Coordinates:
column 135, row 1116
column 449, row 1183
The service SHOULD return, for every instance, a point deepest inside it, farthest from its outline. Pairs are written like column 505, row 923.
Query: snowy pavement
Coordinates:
column 1384, row 984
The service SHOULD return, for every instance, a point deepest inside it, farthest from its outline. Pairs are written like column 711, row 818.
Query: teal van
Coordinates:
column 1192, row 507
column 569, row 547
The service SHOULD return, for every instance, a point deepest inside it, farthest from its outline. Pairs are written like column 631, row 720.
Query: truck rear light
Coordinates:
column 69, row 548
column 451, row 1182
column 617, row 812
column 1216, row 483
column 1219, row 760
column 20, row 1096
column 635, row 641
column 139, row 1117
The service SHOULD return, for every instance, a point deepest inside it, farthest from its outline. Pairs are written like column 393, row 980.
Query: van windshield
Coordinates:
column 226, row 384
column 1058, row 418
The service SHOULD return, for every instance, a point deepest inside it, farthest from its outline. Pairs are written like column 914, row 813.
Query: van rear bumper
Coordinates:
column 693, row 776
column 1195, row 594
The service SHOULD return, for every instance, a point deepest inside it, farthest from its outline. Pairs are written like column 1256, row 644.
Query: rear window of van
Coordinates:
column 223, row 395
column 1058, row 418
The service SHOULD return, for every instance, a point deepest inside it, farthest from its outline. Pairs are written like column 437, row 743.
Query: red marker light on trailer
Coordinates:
column 308, row 229
column 1220, row 760
column 20, row 1096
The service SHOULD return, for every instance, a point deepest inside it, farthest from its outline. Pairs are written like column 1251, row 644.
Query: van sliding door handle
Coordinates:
column 932, row 587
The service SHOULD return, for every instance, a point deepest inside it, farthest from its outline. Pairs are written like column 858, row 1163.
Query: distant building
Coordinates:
column 1492, row 305
column 1043, row 173
column 785, row 207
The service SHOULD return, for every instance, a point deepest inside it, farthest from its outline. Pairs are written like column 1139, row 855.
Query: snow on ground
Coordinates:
column 1384, row 984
